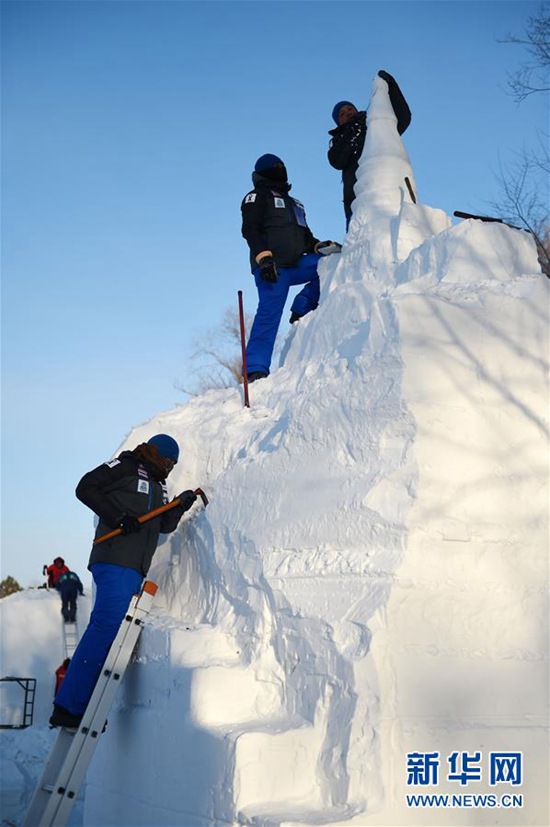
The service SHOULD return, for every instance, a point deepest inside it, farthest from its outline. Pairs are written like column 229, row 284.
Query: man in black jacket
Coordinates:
column 283, row 253
column 119, row 492
column 348, row 139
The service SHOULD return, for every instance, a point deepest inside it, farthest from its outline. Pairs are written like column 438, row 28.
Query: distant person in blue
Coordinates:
column 69, row 587
column 119, row 492
column 348, row 139
column 283, row 253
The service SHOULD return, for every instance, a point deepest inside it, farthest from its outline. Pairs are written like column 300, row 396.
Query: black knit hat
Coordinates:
column 267, row 162
column 337, row 107
column 271, row 167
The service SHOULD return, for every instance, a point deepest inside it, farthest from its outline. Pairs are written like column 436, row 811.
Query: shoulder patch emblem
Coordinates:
column 250, row 198
column 279, row 202
column 112, row 463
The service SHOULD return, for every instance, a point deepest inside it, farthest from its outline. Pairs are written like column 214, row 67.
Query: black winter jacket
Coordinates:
column 348, row 141
column 126, row 486
column 70, row 583
column 273, row 220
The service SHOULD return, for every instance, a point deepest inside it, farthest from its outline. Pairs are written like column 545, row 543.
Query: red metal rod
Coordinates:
column 243, row 348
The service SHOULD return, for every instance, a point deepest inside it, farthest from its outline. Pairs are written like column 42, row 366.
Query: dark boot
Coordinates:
column 257, row 374
column 62, row 717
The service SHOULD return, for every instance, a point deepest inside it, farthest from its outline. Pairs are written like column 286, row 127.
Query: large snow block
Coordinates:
column 480, row 405
column 463, row 637
column 275, row 772
column 154, row 767
column 414, row 225
column 223, row 697
column 468, row 254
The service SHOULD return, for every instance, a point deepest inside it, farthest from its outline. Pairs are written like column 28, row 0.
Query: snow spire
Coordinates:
column 381, row 189
column 387, row 223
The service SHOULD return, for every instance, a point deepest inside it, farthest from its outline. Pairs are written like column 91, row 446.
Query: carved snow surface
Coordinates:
column 369, row 578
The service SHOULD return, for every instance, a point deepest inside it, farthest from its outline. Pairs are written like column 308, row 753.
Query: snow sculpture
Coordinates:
column 386, row 221
column 369, row 578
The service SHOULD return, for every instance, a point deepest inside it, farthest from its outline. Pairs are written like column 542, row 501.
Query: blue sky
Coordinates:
column 129, row 132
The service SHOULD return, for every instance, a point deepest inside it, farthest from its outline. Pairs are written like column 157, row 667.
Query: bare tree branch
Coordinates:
column 524, row 185
column 216, row 358
column 524, row 200
column 532, row 76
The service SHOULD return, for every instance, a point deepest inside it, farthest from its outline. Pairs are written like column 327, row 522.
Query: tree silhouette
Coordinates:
column 9, row 585
column 532, row 75
column 523, row 196
column 217, row 356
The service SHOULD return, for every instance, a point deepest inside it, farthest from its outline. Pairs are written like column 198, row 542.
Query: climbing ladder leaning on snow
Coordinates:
column 66, row 767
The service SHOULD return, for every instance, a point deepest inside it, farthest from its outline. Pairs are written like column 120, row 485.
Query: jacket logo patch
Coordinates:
column 250, row 198
column 143, row 486
column 279, row 202
column 299, row 213
column 112, row 463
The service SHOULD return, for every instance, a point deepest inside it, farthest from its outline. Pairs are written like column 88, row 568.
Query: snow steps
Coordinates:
column 194, row 681
column 274, row 776
column 274, row 773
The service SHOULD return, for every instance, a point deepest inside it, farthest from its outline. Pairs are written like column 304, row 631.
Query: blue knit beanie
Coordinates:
column 166, row 446
column 266, row 162
column 337, row 108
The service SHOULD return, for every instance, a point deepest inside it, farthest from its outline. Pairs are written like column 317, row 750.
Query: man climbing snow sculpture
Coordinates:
column 69, row 587
column 283, row 253
column 119, row 492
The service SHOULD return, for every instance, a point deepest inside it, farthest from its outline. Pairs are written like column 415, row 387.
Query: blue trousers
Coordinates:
column 115, row 586
column 272, row 299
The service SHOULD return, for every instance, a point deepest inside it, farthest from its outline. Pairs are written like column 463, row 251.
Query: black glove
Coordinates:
column 129, row 524
column 187, row 498
column 353, row 133
column 268, row 269
column 386, row 76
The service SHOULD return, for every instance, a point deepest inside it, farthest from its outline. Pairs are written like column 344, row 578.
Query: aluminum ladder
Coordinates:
column 73, row 750
column 70, row 637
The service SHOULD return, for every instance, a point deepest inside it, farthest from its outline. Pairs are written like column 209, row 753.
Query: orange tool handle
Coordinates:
column 151, row 514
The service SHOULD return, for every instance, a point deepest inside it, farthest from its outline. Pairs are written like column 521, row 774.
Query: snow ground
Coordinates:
column 370, row 578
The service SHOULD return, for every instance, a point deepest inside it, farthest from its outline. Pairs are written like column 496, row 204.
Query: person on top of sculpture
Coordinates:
column 54, row 571
column 348, row 138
